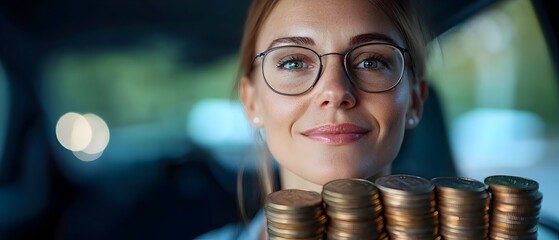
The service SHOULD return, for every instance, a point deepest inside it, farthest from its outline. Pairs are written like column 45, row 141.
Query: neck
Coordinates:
column 289, row 180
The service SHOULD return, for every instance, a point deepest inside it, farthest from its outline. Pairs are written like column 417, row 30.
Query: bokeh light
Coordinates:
column 100, row 136
column 73, row 131
column 86, row 135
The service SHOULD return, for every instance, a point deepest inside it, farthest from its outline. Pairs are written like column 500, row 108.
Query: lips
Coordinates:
column 336, row 134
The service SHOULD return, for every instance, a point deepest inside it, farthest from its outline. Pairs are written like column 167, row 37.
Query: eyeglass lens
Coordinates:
column 294, row 70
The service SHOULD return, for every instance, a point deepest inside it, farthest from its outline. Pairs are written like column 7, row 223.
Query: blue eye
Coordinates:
column 292, row 64
column 370, row 64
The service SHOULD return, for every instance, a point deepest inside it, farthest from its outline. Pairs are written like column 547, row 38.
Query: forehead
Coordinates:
column 330, row 23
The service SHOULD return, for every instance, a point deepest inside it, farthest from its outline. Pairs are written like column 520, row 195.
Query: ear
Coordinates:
column 419, row 92
column 248, row 98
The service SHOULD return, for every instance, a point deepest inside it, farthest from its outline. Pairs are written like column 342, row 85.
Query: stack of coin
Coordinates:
column 409, row 207
column 354, row 210
column 515, row 207
column 295, row 214
column 463, row 205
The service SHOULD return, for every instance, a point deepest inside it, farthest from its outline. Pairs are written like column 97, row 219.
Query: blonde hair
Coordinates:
column 407, row 15
column 257, row 14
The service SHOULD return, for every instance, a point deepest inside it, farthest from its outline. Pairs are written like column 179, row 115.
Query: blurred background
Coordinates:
column 117, row 119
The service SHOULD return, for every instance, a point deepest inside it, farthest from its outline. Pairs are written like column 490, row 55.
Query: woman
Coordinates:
column 333, row 85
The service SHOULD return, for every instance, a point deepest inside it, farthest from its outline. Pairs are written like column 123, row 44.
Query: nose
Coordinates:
column 334, row 88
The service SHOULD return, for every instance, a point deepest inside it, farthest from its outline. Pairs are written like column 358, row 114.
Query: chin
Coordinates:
column 325, row 175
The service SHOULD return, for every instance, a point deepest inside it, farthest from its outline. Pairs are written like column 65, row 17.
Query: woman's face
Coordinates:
column 335, row 130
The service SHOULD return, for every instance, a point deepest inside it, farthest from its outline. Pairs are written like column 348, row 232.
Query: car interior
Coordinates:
column 153, row 81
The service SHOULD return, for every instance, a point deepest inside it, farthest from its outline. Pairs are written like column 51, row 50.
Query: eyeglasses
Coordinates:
column 294, row 70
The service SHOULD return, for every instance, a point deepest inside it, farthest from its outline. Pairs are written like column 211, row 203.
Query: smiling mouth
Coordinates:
column 336, row 134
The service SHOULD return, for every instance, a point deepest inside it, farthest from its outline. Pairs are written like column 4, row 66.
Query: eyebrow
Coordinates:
column 295, row 40
column 359, row 39
column 370, row 37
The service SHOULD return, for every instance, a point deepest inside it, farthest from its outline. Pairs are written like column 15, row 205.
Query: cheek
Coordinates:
column 398, row 108
column 276, row 108
column 389, row 113
column 391, row 109
column 279, row 114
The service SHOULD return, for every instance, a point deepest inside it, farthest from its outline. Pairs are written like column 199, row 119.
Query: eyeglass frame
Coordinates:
column 263, row 55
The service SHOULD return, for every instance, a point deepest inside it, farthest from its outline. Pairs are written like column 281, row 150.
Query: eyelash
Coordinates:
column 375, row 57
column 285, row 60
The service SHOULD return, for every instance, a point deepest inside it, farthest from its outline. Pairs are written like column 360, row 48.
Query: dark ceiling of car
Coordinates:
column 214, row 26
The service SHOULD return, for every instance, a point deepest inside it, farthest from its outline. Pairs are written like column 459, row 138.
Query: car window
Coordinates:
column 500, row 93
column 4, row 107
column 142, row 94
column 120, row 101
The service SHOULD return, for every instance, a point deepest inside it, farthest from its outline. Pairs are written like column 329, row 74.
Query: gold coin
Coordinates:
column 458, row 185
column 350, row 203
column 294, row 215
column 404, row 184
column 463, row 208
column 454, row 196
column 431, row 217
column 506, row 183
column 273, row 237
column 411, row 233
column 361, row 224
column 408, row 196
column 350, row 188
column 516, row 209
column 409, row 211
column 504, row 221
column 518, row 199
column 464, row 202
column 354, row 214
column 315, row 223
column 290, row 233
column 357, row 231
column 463, row 222
column 423, row 204
column 512, row 229
column 507, row 236
column 410, row 226
column 294, row 200
column 512, row 219
column 453, row 233
column 335, row 234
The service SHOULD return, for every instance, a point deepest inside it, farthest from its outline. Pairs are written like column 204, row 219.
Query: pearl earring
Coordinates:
column 256, row 120
column 411, row 122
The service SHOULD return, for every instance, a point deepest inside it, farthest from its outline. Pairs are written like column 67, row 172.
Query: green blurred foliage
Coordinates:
column 499, row 59
column 137, row 85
